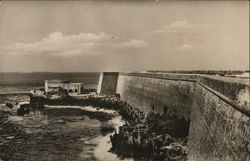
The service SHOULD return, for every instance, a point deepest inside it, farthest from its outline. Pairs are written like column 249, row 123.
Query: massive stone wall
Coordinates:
column 157, row 95
column 217, row 130
column 234, row 91
column 217, row 107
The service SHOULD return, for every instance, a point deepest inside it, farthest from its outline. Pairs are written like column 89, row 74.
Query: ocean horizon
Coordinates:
column 23, row 82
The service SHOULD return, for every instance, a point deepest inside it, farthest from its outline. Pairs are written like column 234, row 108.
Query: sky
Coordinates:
column 113, row 35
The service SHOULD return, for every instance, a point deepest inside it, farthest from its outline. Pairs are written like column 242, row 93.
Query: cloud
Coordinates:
column 133, row 43
column 160, row 30
column 184, row 47
column 83, row 43
column 178, row 26
column 57, row 43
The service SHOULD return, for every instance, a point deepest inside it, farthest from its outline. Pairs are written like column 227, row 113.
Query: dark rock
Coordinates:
column 24, row 109
column 10, row 105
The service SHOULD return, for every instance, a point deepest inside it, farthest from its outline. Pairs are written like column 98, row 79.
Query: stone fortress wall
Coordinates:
column 217, row 107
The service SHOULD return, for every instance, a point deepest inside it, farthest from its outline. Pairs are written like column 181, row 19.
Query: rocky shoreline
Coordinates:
column 144, row 136
column 147, row 136
column 50, row 133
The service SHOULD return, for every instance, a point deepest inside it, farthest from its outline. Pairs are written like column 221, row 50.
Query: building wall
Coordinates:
column 46, row 86
column 52, row 86
column 99, row 86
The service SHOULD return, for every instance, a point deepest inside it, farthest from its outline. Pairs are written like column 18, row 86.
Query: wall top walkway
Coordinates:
column 189, row 76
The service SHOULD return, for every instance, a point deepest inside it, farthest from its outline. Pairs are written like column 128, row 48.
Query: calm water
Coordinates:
column 22, row 82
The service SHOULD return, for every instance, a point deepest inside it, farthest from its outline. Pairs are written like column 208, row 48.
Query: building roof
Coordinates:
column 57, row 81
column 61, row 81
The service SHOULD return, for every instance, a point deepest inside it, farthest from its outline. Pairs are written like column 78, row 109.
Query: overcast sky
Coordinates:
column 78, row 36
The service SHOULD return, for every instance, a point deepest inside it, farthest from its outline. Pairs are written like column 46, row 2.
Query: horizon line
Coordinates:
column 241, row 70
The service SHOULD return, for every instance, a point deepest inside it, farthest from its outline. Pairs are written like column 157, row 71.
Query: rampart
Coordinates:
column 217, row 107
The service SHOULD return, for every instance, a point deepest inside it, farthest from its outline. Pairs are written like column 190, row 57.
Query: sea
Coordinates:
column 54, row 133
column 24, row 82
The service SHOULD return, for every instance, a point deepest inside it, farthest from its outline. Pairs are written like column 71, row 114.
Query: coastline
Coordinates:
column 94, row 107
column 31, row 129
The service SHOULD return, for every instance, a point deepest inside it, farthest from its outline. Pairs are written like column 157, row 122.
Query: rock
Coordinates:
column 10, row 137
column 24, row 109
column 10, row 105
